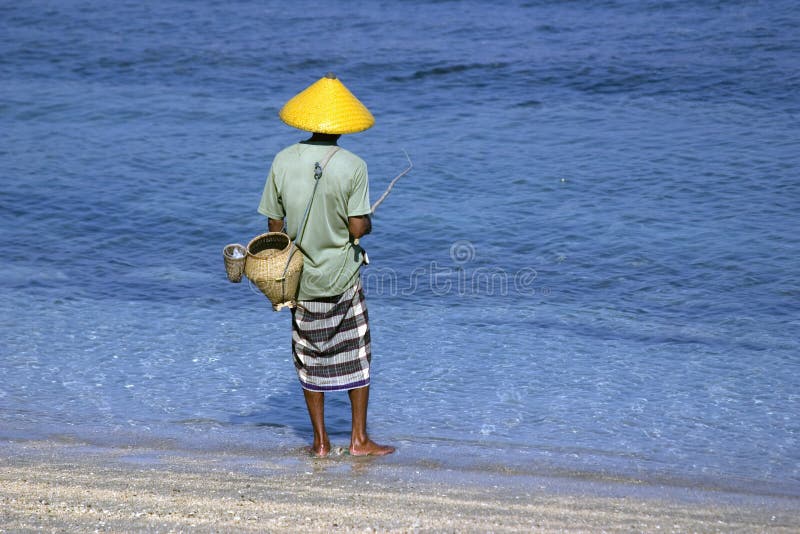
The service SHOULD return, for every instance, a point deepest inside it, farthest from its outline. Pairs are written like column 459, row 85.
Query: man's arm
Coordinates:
column 359, row 226
column 275, row 225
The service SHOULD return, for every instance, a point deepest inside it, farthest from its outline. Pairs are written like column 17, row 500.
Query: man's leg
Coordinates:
column 360, row 444
column 315, row 401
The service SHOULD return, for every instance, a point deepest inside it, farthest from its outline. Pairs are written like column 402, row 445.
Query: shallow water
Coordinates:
column 591, row 268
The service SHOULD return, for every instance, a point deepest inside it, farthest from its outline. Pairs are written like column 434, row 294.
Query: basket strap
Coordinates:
column 319, row 167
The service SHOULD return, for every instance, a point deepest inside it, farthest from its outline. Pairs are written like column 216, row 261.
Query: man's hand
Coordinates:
column 359, row 226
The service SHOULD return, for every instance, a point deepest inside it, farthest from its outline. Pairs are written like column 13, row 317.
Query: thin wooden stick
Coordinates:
column 391, row 184
column 383, row 197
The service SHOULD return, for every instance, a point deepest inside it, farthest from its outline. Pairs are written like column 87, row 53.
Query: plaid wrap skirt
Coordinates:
column 331, row 341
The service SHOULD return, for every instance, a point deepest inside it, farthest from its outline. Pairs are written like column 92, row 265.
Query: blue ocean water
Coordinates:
column 592, row 267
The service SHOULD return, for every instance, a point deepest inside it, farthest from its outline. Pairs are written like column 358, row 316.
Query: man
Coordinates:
column 322, row 193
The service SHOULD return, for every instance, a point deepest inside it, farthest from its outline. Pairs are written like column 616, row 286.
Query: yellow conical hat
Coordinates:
column 327, row 106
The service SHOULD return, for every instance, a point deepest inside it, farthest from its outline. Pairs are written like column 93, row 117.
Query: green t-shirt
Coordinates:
column 331, row 262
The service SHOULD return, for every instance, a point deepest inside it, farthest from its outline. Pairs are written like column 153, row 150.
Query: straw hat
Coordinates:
column 327, row 106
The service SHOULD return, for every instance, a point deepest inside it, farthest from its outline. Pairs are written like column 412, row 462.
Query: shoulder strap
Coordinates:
column 319, row 167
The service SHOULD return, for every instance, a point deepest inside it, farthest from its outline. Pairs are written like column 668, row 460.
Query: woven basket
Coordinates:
column 234, row 267
column 266, row 260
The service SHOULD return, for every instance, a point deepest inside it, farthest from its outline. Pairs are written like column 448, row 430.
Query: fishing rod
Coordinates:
column 382, row 198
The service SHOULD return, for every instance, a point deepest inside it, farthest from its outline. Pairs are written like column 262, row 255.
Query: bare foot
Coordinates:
column 370, row 448
column 319, row 451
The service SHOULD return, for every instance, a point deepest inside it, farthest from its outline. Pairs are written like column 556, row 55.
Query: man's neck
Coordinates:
column 323, row 138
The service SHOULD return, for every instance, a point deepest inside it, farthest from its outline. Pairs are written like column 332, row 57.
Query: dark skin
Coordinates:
column 360, row 443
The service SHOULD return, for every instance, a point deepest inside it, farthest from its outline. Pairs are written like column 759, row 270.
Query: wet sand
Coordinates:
column 54, row 487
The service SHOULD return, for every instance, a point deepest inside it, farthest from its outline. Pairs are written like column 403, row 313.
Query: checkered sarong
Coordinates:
column 331, row 341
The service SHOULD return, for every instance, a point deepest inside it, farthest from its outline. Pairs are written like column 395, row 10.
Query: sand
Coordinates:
column 53, row 487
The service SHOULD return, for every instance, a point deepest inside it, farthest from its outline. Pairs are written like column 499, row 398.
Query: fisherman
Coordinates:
column 330, row 327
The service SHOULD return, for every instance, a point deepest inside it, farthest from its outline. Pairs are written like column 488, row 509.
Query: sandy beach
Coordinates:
column 63, row 488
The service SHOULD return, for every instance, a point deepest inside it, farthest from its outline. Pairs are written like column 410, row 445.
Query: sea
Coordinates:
column 592, row 269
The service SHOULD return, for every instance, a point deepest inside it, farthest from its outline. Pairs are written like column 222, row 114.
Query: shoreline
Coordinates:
column 47, row 485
